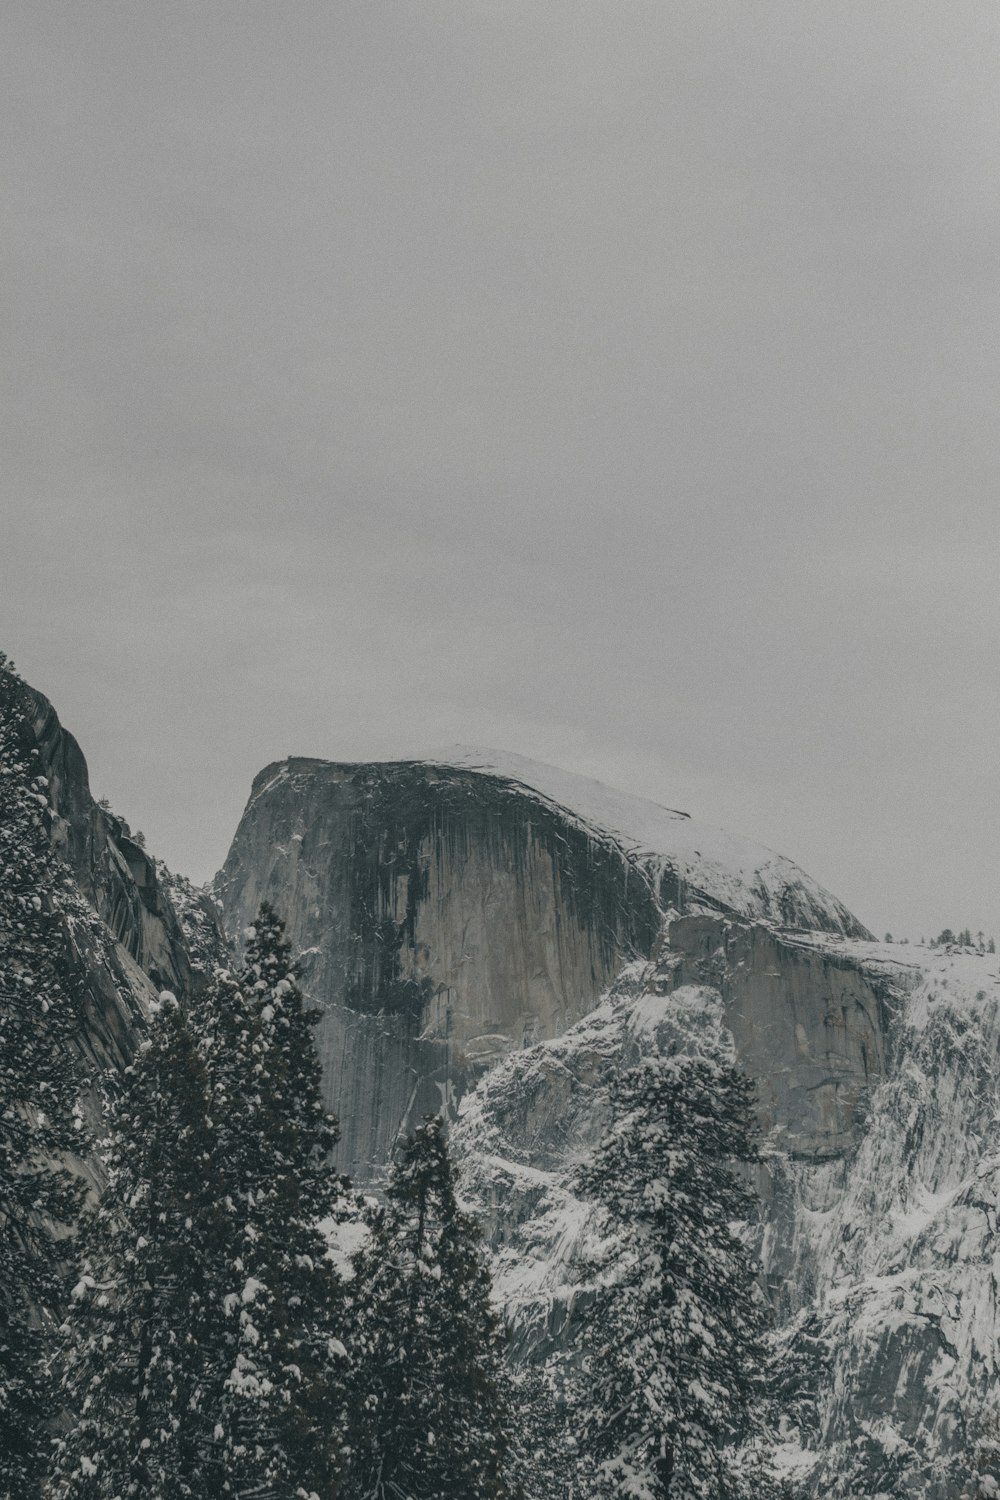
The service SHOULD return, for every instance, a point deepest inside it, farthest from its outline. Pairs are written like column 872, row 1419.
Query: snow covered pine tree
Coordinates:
column 142, row 1339
column 547, row 1464
column 673, row 1375
column 282, row 1410
column 39, row 1121
column 432, row 1404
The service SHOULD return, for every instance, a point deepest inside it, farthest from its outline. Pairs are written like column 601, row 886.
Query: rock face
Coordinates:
column 806, row 1020
column 690, row 865
column 122, row 882
column 449, row 914
column 445, row 919
column 810, row 1026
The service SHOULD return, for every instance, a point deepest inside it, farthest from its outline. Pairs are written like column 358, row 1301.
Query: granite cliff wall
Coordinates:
column 445, row 919
column 118, row 877
column 809, row 1024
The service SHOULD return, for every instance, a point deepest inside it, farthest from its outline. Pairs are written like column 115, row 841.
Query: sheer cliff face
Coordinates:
column 809, row 1025
column 806, row 1020
column 445, row 919
column 450, row 913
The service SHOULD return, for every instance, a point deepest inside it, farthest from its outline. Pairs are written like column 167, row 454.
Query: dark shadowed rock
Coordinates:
column 112, row 869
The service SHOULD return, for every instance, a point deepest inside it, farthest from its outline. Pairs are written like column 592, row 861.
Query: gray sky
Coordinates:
column 612, row 382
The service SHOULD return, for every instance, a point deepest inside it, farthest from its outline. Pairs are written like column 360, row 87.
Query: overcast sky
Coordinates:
column 617, row 383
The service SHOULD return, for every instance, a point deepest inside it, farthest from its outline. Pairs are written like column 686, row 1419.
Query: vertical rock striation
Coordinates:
column 809, row 1024
column 444, row 919
column 125, row 885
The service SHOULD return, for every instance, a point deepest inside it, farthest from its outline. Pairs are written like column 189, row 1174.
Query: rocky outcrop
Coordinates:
column 810, row 1025
column 124, row 940
column 808, row 1022
column 691, row 865
column 113, row 870
column 906, row 1236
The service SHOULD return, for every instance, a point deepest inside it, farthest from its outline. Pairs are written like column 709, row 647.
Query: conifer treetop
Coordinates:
column 670, row 1386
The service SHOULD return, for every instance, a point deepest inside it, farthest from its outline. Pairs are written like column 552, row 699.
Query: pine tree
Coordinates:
column 40, row 1122
column 433, row 1404
column 673, row 1378
column 143, row 1337
column 281, row 1405
column 546, row 1463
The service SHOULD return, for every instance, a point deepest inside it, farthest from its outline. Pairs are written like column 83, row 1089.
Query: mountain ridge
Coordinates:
column 727, row 871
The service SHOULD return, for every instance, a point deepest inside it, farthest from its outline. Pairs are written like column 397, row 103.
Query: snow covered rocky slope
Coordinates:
column 128, row 937
column 879, row 1096
column 459, row 907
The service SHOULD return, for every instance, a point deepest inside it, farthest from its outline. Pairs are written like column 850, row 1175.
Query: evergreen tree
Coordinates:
column 433, row 1403
column 143, row 1337
column 40, row 1123
column 673, row 1383
column 281, row 1404
column 546, row 1462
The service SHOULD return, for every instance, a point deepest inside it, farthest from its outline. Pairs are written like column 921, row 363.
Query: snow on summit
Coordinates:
column 723, row 869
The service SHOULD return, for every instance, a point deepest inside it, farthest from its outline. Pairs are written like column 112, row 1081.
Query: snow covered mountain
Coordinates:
column 545, row 930
column 498, row 937
column 459, row 907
